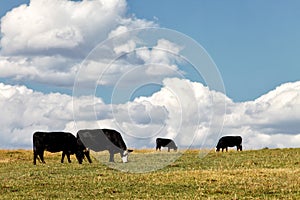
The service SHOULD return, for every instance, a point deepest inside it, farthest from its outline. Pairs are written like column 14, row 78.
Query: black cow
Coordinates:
column 229, row 141
column 105, row 139
column 56, row 142
column 164, row 142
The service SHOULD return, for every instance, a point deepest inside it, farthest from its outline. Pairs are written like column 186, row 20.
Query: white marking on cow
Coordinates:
column 125, row 156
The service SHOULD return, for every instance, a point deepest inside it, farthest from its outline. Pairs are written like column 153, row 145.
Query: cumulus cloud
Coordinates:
column 130, row 64
column 183, row 110
column 48, row 39
column 51, row 70
column 272, row 116
column 59, row 26
column 25, row 111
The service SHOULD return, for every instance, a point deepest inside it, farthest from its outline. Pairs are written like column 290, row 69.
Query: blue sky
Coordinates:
column 255, row 45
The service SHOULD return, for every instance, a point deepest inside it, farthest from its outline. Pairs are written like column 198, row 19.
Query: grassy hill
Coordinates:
column 258, row 174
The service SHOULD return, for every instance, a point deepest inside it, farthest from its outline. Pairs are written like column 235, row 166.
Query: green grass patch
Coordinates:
column 259, row 174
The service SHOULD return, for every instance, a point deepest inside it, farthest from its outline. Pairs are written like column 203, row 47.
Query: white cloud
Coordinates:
column 51, row 70
column 182, row 110
column 125, row 48
column 63, row 27
column 273, row 112
column 25, row 111
column 46, row 42
column 131, row 63
column 272, row 120
column 160, row 53
column 59, row 26
column 128, row 24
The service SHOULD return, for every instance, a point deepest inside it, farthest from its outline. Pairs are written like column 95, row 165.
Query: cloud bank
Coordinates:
column 182, row 110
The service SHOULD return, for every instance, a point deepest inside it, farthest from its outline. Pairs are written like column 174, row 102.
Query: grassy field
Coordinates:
column 259, row 174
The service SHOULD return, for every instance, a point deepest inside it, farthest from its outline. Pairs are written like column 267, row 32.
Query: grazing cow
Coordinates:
column 105, row 139
column 229, row 141
column 164, row 142
column 56, row 142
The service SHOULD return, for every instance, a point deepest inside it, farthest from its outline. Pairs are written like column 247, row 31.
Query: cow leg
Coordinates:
column 168, row 149
column 34, row 157
column 240, row 147
column 226, row 149
column 158, row 147
column 87, row 155
column 41, row 154
column 62, row 157
column 111, row 156
column 68, row 156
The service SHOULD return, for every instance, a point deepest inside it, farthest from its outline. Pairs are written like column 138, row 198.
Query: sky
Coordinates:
column 204, row 69
column 255, row 44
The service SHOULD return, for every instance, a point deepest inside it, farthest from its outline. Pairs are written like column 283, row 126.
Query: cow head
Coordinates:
column 80, row 156
column 82, row 152
column 86, row 153
column 125, row 155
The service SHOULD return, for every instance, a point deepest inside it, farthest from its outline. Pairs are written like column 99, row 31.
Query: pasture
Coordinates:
column 255, row 174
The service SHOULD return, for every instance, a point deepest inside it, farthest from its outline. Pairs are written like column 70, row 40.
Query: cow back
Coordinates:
column 115, row 137
column 163, row 141
column 102, row 139
column 55, row 141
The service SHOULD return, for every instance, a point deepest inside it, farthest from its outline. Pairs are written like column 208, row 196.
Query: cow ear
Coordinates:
column 129, row 150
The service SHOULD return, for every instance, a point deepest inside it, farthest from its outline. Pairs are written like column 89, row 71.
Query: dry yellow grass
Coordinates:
column 261, row 174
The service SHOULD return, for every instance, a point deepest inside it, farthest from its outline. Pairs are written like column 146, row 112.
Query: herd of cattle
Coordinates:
column 101, row 140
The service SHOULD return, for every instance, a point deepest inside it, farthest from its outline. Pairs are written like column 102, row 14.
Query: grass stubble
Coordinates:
column 253, row 174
